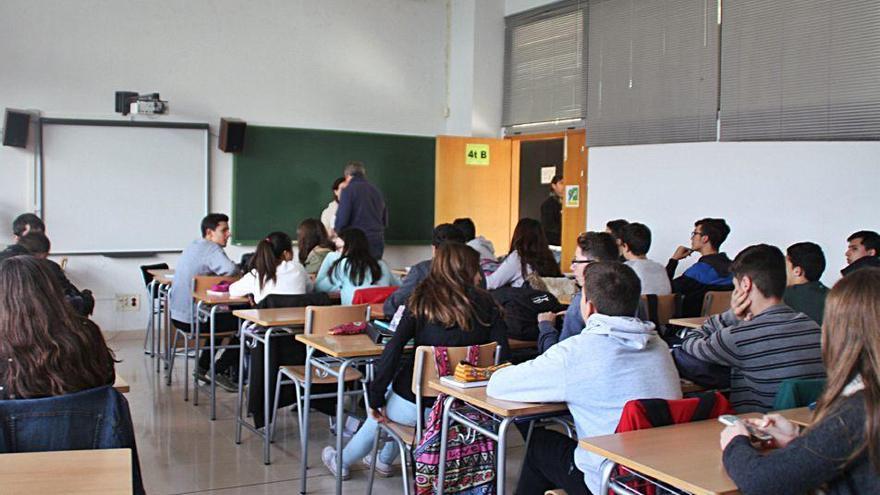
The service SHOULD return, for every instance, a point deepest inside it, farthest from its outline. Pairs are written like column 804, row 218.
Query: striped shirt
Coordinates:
column 776, row 345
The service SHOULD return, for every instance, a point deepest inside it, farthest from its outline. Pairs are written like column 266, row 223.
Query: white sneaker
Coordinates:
column 382, row 469
column 328, row 455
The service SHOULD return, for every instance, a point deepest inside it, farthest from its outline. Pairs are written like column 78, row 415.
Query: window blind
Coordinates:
column 653, row 71
column 800, row 70
column 544, row 65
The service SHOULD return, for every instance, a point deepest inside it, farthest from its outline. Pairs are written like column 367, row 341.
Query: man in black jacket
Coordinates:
column 23, row 224
column 551, row 212
column 710, row 272
column 362, row 206
column 37, row 245
column 862, row 251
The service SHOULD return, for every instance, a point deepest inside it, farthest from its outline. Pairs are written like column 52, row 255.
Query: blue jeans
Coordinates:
column 397, row 409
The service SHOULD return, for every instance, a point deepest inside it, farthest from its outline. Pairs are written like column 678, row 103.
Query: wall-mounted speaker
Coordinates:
column 232, row 135
column 15, row 128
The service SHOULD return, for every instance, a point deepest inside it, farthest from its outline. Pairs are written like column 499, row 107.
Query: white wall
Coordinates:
column 368, row 66
column 516, row 6
column 777, row 193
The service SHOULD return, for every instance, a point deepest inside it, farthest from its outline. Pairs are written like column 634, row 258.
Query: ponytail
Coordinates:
column 269, row 254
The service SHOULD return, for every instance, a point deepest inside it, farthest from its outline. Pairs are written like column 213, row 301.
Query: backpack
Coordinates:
column 521, row 308
column 470, row 455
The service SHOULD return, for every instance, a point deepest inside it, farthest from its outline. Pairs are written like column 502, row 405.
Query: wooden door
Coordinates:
column 480, row 190
column 574, row 172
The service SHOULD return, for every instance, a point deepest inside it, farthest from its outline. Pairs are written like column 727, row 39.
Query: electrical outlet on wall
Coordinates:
column 128, row 302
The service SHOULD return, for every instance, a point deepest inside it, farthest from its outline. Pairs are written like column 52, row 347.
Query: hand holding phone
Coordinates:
column 754, row 432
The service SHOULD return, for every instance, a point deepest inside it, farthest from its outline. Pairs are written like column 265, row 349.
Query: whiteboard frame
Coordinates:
column 38, row 171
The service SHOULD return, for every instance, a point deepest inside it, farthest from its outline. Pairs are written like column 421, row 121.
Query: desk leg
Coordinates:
column 444, row 433
column 238, row 406
column 307, row 389
column 213, row 331
column 149, row 338
column 194, row 330
column 340, row 421
column 502, row 454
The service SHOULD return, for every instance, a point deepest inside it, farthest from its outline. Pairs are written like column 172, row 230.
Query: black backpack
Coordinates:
column 521, row 308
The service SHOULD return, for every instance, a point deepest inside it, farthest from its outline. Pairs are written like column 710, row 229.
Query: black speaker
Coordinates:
column 15, row 128
column 231, row 135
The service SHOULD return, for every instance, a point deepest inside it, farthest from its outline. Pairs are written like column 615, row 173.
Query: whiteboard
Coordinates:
column 122, row 186
column 768, row 192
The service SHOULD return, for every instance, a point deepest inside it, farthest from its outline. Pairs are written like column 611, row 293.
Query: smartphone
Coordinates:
column 730, row 420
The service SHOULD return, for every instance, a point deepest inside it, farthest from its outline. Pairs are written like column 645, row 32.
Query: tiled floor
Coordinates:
column 182, row 451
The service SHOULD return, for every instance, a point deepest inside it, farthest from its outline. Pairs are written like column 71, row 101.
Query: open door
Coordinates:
column 473, row 179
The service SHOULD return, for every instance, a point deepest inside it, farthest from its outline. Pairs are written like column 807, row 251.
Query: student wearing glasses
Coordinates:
column 710, row 272
column 591, row 247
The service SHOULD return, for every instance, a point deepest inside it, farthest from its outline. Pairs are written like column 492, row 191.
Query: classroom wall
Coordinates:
column 778, row 193
column 367, row 66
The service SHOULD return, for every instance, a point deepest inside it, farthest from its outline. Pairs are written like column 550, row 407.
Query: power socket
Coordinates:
column 128, row 302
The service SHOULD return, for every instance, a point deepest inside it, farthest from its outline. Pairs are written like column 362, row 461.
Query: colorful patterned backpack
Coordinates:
column 470, row 455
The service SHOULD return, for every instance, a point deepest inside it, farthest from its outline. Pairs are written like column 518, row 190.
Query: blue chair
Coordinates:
column 97, row 418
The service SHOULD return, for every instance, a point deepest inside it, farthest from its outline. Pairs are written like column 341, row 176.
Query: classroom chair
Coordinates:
column 406, row 436
column 319, row 321
column 640, row 414
column 660, row 309
column 200, row 284
column 97, row 418
column 153, row 296
column 798, row 393
column 372, row 295
column 716, row 302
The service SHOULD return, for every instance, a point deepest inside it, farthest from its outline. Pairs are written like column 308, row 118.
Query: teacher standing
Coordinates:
column 361, row 206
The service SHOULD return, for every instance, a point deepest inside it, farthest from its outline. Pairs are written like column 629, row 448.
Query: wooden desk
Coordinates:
column 686, row 456
column 516, row 344
column 565, row 299
column 163, row 276
column 399, row 272
column 289, row 317
column 121, row 386
column 689, row 387
column 507, row 410
column 70, row 472
column 476, row 396
column 695, row 322
column 351, row 350
column 203, row 297
column 802, row 416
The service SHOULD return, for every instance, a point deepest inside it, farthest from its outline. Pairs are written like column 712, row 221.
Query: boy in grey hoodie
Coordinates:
column 615, row 359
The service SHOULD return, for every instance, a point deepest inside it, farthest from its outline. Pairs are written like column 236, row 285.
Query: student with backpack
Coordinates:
column 840, row 452
column 529, row 253
column 447, row 309
column 354, row 268
column 274, row 270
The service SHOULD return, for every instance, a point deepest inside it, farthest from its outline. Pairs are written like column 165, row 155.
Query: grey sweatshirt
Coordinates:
column 614, row 360
column 201, row 257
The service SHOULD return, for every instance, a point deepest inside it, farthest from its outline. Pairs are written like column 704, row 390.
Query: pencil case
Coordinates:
column 351, row 328
column 466, row 372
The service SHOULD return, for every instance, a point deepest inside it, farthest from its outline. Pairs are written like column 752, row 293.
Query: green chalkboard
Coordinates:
column 284, row 175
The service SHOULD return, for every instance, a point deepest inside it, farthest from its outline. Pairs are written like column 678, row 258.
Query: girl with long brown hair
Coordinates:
column 529, row 252
column 314, row 244
column 840, row 451
column 274, row 270
column 46, row 348
column 447, row 309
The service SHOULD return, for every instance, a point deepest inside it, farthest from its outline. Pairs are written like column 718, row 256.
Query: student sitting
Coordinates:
column 862, row 251
column 274, row 271
column 617, row 358
column 21, row 226
column 529, row 252
column 635, row 242
column 482, row 245
column 838, row 453
column 447, row 309
column 314, row 244
column 445, row 232
column 763, row 341
column 615, row 227
column 205, row 256
column 353, row 268
column 804, row 264
column 55, row 353
column 38, row 245
column 710, row 272
column 591, row 247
